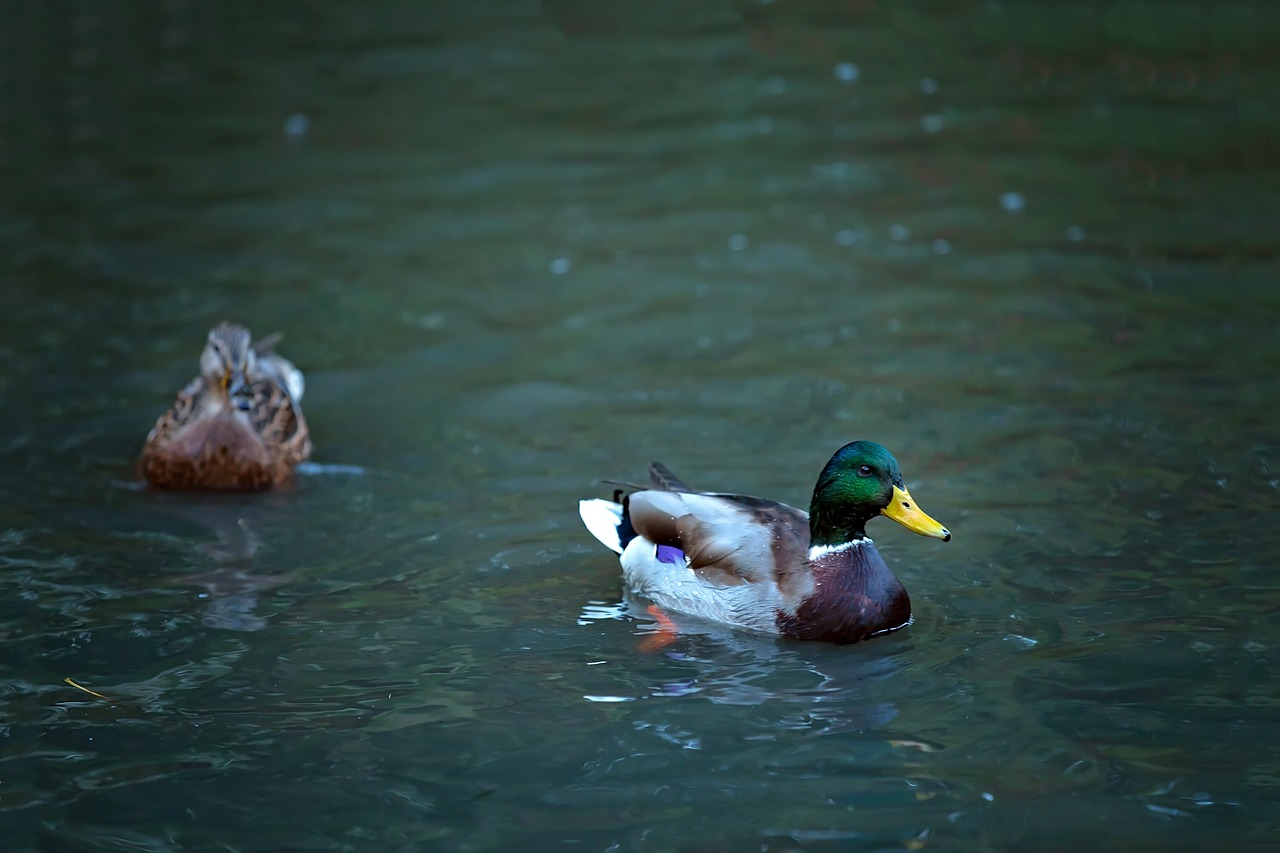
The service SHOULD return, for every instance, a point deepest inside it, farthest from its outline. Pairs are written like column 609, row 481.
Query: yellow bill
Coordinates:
column 903, row 510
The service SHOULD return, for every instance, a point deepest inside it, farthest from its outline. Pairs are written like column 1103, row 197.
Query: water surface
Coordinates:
column 517, row 248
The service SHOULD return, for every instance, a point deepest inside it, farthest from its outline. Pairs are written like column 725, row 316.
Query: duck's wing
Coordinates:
column 180, row 414
column 727, row 539
column 281, row 371
column 277, row 418
column 263, row 346
column 662, row 479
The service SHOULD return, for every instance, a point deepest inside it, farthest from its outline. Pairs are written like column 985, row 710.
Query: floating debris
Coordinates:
column 90, row 692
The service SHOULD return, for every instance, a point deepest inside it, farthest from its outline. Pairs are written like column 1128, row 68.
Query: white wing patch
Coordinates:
column 602, row 519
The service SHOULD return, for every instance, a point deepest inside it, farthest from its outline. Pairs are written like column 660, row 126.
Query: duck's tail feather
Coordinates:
column 634, row 487
column 603, row 519
column 662, row 478
column 263, row 346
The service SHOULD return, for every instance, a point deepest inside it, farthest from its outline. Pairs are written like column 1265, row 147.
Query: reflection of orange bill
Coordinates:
column 665, row 635
column 903, row 510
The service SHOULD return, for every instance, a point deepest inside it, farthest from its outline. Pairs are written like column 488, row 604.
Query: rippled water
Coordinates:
column 518, row 248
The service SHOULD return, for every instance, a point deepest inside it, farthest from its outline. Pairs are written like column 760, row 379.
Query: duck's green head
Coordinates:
column 862, row 481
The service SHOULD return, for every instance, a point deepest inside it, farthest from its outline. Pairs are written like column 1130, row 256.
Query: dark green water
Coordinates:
column 1030, row 247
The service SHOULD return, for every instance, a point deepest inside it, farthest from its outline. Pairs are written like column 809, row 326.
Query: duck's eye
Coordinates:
column 864, row 470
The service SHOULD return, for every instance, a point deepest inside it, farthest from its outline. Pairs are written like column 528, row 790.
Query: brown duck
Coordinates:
column 238, row 425
column 763, row 565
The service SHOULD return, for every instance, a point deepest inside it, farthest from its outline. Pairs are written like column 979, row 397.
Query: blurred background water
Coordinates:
column 517, row 247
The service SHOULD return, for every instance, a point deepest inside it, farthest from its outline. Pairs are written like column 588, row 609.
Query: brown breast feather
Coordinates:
column 193, row 447
column 854, row 596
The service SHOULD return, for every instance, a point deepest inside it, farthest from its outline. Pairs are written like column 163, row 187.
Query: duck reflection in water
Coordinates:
column 232, row 596
column 726, row 666
column 231, row 588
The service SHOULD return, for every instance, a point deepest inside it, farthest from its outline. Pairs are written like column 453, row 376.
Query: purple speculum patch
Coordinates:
column 667, row 554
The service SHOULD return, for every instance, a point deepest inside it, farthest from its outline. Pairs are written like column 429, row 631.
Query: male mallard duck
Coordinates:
column 758, row 564
column 238, row 425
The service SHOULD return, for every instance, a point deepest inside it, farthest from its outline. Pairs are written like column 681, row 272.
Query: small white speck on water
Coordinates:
column 928, row 86
column 296, row 127
column 560, row 266
column 988, row 797
column 845, row 237
column 433, row 320
column 899, row 232
column 1012, row 202
column 738, row 242
column 846, row 72
column 932, row 123
column 941, row 247
column 1075, row 233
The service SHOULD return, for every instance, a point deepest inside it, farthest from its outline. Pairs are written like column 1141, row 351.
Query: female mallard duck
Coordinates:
column 238, row 425
column 766, row 566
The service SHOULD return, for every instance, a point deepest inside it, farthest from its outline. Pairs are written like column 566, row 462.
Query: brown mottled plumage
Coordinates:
column 238, row 425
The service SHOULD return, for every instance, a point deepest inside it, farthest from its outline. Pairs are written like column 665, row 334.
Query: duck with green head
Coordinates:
column 763, row 565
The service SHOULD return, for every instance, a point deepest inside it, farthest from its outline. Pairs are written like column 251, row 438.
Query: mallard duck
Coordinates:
column 762, row 565
column 238, row 425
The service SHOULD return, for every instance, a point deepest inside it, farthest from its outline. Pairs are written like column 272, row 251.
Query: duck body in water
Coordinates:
column 765, row 566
